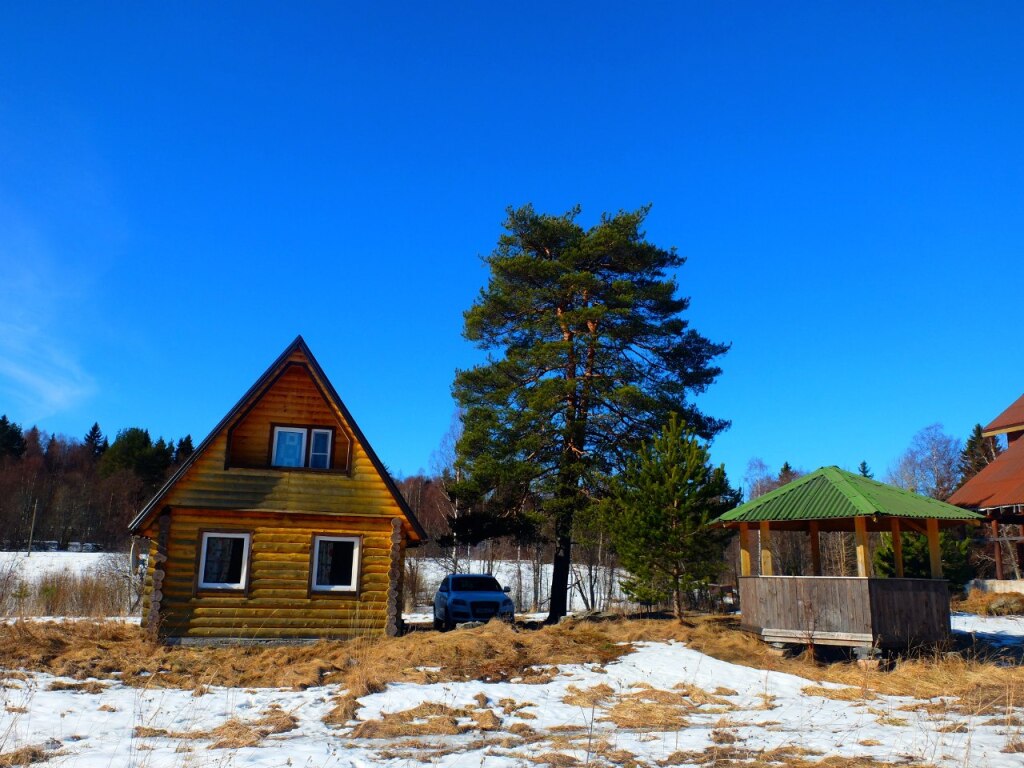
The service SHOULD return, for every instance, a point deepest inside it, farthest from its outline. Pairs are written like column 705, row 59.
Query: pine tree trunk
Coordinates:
column 560, row 576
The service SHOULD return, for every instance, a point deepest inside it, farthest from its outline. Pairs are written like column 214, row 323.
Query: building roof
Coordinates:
column 1010, row 420
column 1000, row 484
column 299, row 344
column 831, row 493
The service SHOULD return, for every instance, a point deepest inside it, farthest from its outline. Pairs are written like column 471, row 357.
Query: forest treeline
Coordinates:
column 55, row 488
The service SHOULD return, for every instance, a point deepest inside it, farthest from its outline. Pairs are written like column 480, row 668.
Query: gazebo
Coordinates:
column 859, row 611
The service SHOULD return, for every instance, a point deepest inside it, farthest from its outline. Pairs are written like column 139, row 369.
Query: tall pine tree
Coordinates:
column 659, row 513
column 589, row 355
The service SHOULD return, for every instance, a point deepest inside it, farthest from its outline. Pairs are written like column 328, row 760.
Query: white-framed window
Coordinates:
column 224, row 562
column 320, row 449
column 302, row 447
column 289, row 447
column 335, row 563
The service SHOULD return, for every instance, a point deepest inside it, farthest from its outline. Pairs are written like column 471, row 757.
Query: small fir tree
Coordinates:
column 659, row 514
column 865, row 470
column 956, row 567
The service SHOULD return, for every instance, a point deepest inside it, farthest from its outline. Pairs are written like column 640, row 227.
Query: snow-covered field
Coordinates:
column 36, row 565
column 660, row 704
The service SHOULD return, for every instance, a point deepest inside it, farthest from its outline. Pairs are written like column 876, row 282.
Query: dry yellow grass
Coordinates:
column 427, row 719
column 637, row 714
column 977, row 685
column 231, row 734
column 24, row 756
column 495, row 652
column 1014, row 745
column 991, row 603
column 588, row 698
column 839, row 694
column 90, row 686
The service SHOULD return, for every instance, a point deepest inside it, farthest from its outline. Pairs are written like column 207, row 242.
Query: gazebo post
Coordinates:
column 860, row 530
column 766, row 549
column 815, row 548
column 897, row 547
column 934, row 553
column 744, row 549
column 998, row 549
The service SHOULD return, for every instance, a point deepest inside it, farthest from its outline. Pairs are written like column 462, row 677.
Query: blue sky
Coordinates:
column 185, row 187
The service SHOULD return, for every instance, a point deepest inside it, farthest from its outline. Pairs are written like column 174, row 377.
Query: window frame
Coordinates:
column 307, row 448
column 313, row 431
column 317, row 590
column 303, row 431
column 242, row 586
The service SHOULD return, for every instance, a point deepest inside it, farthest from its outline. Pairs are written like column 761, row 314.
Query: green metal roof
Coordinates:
column 830, row 493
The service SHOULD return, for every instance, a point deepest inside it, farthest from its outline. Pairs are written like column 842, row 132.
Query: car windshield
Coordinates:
column 475, row 584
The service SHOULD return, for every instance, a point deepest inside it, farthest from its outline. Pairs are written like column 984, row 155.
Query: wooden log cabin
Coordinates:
column 859, row 611
column 282, row 524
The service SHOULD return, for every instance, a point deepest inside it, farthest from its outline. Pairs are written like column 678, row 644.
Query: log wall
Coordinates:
column 293, row 399
column 278, row 602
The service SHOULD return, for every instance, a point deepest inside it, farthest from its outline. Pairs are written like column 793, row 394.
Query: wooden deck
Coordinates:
column 851, row 611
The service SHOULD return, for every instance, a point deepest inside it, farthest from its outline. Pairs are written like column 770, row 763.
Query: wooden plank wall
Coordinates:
column 278, row 604
column 909, row 612
column 806, row 604
column 293, row 399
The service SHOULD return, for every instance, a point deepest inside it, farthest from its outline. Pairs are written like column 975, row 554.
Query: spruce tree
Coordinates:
column 184, row 449
column 978, row 453
column 95, row 441
column 787, row 474
column 589, row 355
column 865, row 470
column 659, row 513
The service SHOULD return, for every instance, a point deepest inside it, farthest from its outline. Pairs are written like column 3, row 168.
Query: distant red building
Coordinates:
column 998, row 490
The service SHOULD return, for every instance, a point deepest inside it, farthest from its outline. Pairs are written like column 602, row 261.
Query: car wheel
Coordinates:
column 438, row 624
column 449, row 625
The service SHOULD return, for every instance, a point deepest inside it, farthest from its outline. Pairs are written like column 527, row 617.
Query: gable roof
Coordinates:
column 1010, row 420
column 999, row 484
column 830, row 493
column 261, row 383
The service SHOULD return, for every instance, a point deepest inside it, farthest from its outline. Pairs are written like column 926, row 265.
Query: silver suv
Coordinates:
column 466, row 597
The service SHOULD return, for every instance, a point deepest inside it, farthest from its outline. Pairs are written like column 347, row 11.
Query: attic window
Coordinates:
column 302, row 447
column 335, row 563
column 224, row 563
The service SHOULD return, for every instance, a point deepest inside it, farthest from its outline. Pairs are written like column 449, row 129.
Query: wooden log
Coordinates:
column 860, row 533
column 897, row 547
column 815, row 536
column 934, row 550
column 745, row 559
column 766, row 549
column 997, row 549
